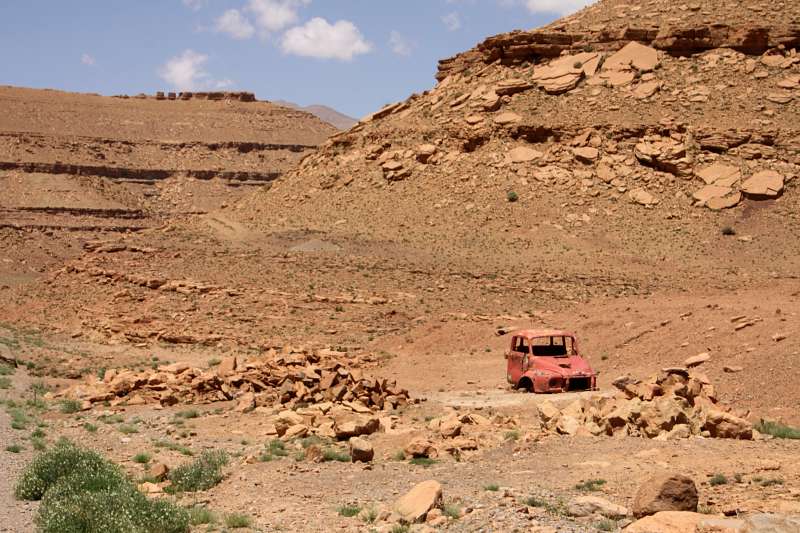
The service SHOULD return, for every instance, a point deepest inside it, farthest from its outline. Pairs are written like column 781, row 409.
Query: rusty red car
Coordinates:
column 547, row 361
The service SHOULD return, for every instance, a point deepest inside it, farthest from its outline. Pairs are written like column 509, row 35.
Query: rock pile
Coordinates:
column 290, row 379
column 675, row 404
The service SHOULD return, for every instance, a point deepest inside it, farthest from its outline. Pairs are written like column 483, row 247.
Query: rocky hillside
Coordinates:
column 675, row 116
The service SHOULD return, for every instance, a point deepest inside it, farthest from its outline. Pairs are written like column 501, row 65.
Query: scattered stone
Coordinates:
column 732, row 369
column 421, row 447
column 586, row 154
column 720, row 174
column 764, row 184
column 158, row 471
column 361, row 450
column 507, row 118
column 640, row 57
column 523, row 154
column 590, row 505
column 697, row 360
column 415, row 505
column 425, row 152
column 642, row 197
column 665, row 492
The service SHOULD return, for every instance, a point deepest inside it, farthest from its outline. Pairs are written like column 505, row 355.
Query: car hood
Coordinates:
column 562, row 366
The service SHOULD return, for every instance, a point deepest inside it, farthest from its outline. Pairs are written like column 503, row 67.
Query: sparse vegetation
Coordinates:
column 399, row 455
column 512, row 435
column 175, row 447
column 605, row 525
column 69, row 406
column 591, row 485
column 14, row 448
column 492, row 487
column 533, row 501
column 452, row 510
column 142, row 458
column 5, row 383
column 201, row 474
column 718, row 479
column 91, row 428
column 237, row 520
column 422, row 461
column 201, row 515
column 333, row 454
column 189, row 413
column 348, row 511
column 777, row 430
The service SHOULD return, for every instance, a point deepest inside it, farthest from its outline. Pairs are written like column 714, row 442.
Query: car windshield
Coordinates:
column 553, row 346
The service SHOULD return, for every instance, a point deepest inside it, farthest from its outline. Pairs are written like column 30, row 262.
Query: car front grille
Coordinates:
column 576, row 384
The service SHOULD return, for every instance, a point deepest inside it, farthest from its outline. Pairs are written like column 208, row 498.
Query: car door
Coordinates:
column 517, row 356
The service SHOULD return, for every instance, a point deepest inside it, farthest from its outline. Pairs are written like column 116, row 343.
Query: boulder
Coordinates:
column 764, row 184
column 640, row 57
column 724, row 425
column 667, row 522
column 772, row 523
column 590, row 505
column 414, row 506
column 425, row 152
column 361, row 450
column 586, row 154
column 450, row 428
column 158, row 471
column 665, row 492
column 420, row 447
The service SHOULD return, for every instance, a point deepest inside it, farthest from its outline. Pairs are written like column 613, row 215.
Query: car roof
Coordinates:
column 536, row 333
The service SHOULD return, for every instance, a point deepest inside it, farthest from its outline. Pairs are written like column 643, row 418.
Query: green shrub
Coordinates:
column 142, row 458
column 452, row 510
column 236, row 520
column 6, row 370
column 190, row 413
column 605, row 525
column 61, row 460
column 492, row 487
column 201, row 515
column 348, row 511
column 38, row 444
column 533, row 501
column 14, row 448
column 718, row 479
column 201, row 474
column 91, row 428
column 332, row 454
column 82, row 492
column 127, row 429
column 512, row 197
column 5, row 383
column 777, row 430
column 591, row 485
column 512, row 435
column 423, row 461
column 69, row 406
column 400, row 528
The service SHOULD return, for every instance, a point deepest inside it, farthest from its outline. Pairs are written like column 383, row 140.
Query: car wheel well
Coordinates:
column 525, row 383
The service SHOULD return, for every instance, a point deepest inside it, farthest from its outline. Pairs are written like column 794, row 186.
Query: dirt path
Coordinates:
column 15, row 515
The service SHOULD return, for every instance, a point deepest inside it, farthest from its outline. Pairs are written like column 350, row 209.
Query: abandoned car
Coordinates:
column 548, row 361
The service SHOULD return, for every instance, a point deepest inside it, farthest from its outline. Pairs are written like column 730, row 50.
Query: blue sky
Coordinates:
column 354, row 55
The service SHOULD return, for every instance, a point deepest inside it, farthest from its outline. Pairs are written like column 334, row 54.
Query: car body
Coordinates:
column 547, row 361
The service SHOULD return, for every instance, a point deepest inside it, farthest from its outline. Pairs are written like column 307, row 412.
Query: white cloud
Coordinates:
column 399, row 44
column 186, row 72
column 275, row 15
column 86, row 59
column 194, row 5
column 318, row 38
column 561, row 7
column 452, row 21
column 235, row 24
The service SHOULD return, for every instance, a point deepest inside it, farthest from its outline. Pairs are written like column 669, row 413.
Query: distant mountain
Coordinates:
column 328, row 114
